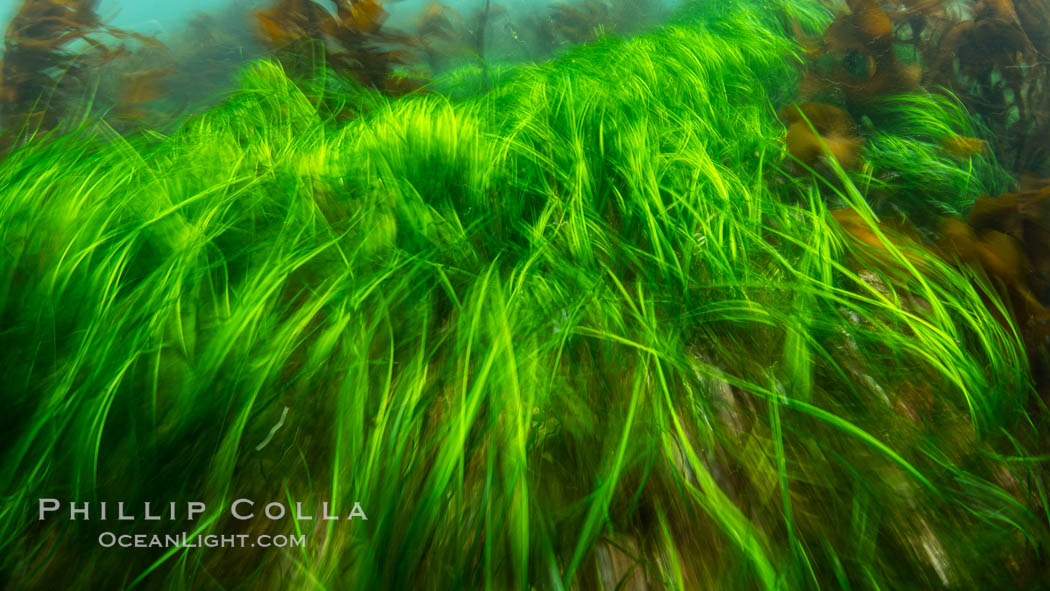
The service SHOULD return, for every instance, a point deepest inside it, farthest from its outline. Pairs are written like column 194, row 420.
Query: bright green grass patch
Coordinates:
column 557, row 335
column 919, row 177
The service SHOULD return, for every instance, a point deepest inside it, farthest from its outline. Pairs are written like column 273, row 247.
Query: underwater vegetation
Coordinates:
column 657, row 313
column 582, row 21
column 447, row 36
column 352, row 41
column 991, row 54
column 60, row 67
column 818, row 131
column 536, row 33
column 44, row 76
column 196, row 67
column 981, row 54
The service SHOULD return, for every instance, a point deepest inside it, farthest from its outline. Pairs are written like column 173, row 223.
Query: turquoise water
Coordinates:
column 200, row 45
column 165, row 18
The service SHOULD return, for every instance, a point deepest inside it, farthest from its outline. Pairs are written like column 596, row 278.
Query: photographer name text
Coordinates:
column 242, row 509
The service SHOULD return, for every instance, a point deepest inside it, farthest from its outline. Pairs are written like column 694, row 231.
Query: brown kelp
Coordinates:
column 1008, row 237
column 51, row 47
column 157, row 86
column 992, row 54
column 572, row 23
column 817, row 130
column 996, row 62
column 137, row 88
column 865, row 65
column 447, row 35
column 207, row 53
column 442, row 31
column 352, row 42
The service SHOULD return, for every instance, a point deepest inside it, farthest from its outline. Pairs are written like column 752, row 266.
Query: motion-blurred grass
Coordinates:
column 576, row 332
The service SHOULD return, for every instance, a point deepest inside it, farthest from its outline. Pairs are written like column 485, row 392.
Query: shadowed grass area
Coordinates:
column 565, row 334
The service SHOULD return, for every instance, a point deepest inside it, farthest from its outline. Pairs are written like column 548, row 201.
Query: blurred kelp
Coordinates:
column 351, row 42
column 206, row 55
column 158, row 87
column 448, row 36
column 996, row 61
column 864, row 63
column 494, row 35
column 51, row 50
column 817, row 130
column 546, row 29
column 1008, row 237
column 991, row 54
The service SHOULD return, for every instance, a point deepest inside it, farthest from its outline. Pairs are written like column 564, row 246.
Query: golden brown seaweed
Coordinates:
column 962, row 147
column 138, row 88
column 353, row 40
column 447, row 35
column 992, row 54
column 866, row 66
column 41, row 76
column 1008, row 237
column 816, row 130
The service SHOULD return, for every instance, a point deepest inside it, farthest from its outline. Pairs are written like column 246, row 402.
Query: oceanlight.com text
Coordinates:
column 184, row 540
